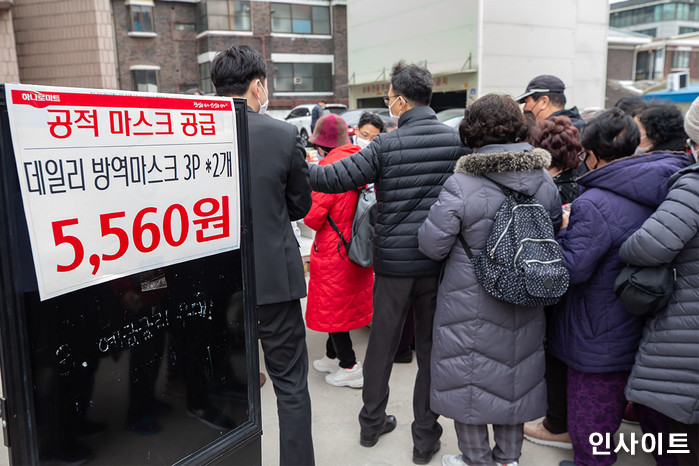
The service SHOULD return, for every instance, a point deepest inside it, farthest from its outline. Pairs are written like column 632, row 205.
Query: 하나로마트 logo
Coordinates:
column 39, row 99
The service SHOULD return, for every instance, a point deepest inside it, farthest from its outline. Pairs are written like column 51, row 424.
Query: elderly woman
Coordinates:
column 662, row 128
column 665, row 375
column 561, row 139
column 591, row 332
column 487, row 355
column 339, row 291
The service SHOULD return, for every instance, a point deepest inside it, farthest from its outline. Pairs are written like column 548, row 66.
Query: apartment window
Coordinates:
column 303, row 77
column 680, row 59
column 669, row 11
column 184, row 26
column 205, row 78
column 145, row 80
column 300, row 19
column 223, row 15
column 141, row 18
column 649, row 32
column 643, row 66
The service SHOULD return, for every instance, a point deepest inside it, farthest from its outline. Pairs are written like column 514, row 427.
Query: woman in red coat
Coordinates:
column 339, row 291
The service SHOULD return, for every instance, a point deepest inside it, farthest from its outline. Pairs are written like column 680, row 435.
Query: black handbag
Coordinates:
column 645, row 290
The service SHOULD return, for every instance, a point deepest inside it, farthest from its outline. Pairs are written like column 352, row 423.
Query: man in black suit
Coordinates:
column 280, row 194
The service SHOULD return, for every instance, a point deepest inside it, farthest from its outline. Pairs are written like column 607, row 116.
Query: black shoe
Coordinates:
column 404, row 357
column 369, row 440
column 424, row 457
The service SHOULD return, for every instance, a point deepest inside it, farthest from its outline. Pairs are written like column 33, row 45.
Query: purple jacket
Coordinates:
column 591, row 331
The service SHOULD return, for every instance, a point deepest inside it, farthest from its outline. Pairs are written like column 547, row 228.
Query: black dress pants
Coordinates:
column 556, row 376
column 282, row 333
column 392, row 298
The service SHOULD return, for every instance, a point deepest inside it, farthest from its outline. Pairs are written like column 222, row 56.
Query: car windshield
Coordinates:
column 449, row 113
column 351, row 117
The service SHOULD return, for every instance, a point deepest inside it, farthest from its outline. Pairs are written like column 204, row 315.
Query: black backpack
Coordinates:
column 521, row 263
column 360, row 247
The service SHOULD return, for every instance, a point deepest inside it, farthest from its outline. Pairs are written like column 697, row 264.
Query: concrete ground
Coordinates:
column 336, row 429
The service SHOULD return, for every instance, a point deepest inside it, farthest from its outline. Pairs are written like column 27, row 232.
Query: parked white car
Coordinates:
column 300, row 116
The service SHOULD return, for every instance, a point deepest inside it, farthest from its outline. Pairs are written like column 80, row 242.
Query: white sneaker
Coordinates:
column 347, row 377
column 326, row 364
column 453, row 460
column 514, row 463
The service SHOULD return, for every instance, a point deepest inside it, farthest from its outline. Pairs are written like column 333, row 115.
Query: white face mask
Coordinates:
column 694, row 152
column 263, row 106
column 642, row 150
column 389, row 109
column 361, row 142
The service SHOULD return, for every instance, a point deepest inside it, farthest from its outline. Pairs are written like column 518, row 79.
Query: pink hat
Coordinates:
column 330, row 131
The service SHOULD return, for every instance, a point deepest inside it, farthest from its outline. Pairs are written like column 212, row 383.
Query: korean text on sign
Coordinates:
column 114, row 183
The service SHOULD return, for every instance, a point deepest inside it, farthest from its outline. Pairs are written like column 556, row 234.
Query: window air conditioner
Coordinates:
column 677, row 81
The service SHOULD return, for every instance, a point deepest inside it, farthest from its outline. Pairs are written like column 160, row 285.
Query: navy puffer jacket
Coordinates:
column 591, row 330
column 409, row 167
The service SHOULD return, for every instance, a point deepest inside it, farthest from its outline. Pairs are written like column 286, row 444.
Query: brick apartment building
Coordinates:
column 648, row 41
column 167, row 45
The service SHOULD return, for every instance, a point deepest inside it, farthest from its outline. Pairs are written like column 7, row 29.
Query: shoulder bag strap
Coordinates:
column 465, row 246
column 345, row 243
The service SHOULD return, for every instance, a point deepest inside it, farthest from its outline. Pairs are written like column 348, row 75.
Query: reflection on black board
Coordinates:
column 155, row 361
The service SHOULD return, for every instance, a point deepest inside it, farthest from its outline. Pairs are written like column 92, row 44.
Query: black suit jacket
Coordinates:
column 281, row 193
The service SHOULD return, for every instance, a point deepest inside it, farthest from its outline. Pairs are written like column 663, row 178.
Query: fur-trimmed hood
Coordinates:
column 517, row 166
column 480, row 164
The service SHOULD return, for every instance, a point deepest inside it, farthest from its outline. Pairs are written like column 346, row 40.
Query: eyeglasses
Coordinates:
column 387, row 100
column 582, row 155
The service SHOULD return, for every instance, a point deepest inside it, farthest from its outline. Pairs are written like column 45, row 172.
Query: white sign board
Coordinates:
column 115, row 183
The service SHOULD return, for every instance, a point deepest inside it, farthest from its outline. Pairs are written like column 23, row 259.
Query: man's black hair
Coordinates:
column 611, row 135
column 412, row 82
column 558, row 99
column 234, row 69
column 369, row 118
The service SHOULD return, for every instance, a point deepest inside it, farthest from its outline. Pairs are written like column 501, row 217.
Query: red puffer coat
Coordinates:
column 339, row 291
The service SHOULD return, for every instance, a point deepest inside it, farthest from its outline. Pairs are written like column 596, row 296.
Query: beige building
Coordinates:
column 9, row 72
column 65, row 42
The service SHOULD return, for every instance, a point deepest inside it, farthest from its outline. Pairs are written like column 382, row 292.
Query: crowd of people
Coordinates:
column 620, row 187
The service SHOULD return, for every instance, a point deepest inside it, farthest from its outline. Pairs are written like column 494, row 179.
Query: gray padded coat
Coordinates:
column 665, row 376
column 487, row 355
column 409, row 167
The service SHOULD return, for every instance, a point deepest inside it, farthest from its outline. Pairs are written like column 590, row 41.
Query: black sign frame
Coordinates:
column 241, row 445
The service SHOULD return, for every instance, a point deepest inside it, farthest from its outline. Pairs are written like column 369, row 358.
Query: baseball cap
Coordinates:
column 330, row 131
column 543, row 83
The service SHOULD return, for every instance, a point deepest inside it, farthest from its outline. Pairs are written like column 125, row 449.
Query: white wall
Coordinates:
column 381, row 32
column 525, row 38
column 510, row 41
